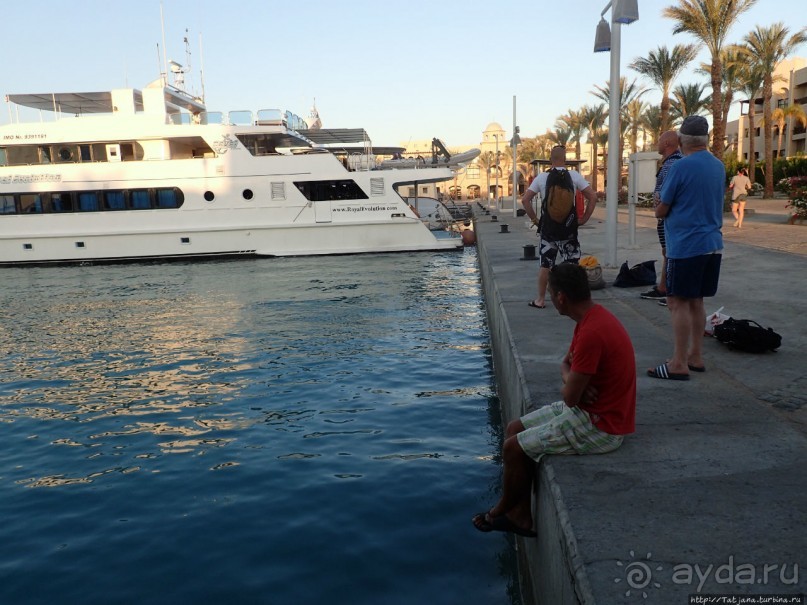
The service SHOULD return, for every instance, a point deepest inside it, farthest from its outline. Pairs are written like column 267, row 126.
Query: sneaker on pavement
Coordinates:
column 653, row 294
column 662, row 301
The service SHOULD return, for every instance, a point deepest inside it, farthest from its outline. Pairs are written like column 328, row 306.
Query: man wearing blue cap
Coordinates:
column 692, row 208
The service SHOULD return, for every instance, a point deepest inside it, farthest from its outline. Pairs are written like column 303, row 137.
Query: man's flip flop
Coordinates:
column 696, row 368
column 534, row 306
column 662, row 372
column 501, row 523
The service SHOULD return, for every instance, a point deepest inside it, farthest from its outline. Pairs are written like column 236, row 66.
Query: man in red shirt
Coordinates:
column 597, row 409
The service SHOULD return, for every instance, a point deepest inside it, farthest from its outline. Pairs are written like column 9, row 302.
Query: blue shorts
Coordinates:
column 694, row 277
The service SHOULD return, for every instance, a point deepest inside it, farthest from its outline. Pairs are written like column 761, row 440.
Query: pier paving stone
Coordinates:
column 716, row 473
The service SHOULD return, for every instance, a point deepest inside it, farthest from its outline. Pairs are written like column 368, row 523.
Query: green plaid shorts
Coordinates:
column 558, row 429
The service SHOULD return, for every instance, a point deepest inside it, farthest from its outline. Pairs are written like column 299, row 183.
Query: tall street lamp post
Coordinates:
column 515, row 142
column 622, row 11
column 496, row 197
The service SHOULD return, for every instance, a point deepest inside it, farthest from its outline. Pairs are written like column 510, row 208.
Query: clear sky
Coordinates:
column 405, row 70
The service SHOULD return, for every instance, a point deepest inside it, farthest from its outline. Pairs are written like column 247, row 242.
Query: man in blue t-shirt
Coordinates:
column 692, row 208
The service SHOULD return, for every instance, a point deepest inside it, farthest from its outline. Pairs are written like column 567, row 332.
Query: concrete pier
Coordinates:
column 709, row 496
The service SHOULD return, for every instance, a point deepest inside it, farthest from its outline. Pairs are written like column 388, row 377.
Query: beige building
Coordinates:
column 476, row 180
column 790, row 88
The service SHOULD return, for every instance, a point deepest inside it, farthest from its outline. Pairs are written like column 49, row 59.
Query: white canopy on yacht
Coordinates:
column 71, row 102
column 336, row 136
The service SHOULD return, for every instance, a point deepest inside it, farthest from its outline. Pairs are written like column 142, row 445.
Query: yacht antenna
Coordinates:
column 159, row 67
column 187, row 52
column 165, row 58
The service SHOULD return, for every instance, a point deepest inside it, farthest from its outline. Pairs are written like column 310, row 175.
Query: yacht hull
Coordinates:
column 253, row 211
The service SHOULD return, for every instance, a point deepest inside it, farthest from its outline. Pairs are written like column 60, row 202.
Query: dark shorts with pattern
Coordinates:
column 694, row 277
column 567, row 249
column 660, row 230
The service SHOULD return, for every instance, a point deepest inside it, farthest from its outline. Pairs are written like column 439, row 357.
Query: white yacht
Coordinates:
column 151, row 174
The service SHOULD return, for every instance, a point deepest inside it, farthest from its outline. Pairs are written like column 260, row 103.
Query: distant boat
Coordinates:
column 438, row 215
column 458, row 160
column 159, row 176
column 432, row 212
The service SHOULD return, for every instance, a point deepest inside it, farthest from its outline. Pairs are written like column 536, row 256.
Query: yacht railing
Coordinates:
column 244, row 117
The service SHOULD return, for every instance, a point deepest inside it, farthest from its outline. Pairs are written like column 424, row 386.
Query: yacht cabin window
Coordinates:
column 317, row 191
column 90, row 201
column 7, row 204
column 31, row 203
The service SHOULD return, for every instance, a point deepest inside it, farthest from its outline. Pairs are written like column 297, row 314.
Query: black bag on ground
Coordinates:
column 747, row 335
column 643, row 274
column 558, row 212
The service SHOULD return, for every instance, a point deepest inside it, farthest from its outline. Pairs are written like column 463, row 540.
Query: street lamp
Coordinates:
column 496, row 198
column 514, row 143
column 622, row 11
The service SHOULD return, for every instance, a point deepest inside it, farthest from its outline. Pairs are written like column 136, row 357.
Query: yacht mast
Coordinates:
column 165, row 57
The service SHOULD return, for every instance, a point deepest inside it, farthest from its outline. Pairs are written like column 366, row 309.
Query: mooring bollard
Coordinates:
column 529, row 253
column 504, row 228
column 494, row 218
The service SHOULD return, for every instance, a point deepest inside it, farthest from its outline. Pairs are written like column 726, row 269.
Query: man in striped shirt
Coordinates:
column 670, row 153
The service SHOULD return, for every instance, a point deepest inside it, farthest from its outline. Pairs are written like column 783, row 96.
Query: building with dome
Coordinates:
column 483, row 178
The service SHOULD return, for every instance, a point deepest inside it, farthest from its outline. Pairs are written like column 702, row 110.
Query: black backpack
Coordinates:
column 558, row 212
column 643, row 274
column 747, row 335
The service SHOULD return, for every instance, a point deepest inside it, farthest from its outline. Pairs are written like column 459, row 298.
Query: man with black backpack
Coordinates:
column 557, row 226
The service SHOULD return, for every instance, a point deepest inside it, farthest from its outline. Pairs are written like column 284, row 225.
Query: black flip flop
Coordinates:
column 696, row 368
column 534, row 306
column 501, row 523
column 663, row 372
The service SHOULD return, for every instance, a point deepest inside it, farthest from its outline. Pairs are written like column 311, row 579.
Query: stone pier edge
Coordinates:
column 551, row 569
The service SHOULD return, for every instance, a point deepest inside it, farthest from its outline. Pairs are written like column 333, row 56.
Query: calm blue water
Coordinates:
column 285, row 431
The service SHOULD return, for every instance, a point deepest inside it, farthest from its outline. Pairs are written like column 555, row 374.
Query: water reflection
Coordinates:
column 134, row 363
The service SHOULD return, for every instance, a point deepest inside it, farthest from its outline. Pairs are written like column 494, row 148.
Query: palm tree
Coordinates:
column 600, row 140
column 733, row 62
column 710, row 21
column 750, row 84
column 689, row 101
column 633, row 122
column 651, row 123
column 544, row 145
column 627, row 93
column 791, row 112
column 662, row 67
column 527, row 152
column 574, row 122
column 560, row 136
column 509, row 163
column 766, row 47
column 486, row 161
column 594, row 119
